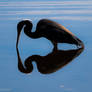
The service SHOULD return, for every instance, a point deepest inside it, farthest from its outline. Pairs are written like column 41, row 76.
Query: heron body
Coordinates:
column 55, row 32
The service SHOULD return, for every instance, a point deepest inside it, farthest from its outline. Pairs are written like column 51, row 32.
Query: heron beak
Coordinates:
column 18, row 36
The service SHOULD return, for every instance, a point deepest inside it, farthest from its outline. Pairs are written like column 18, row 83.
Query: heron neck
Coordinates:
column 31, row 34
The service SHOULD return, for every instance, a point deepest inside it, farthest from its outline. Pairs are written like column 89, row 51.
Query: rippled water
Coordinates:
column 74, row 15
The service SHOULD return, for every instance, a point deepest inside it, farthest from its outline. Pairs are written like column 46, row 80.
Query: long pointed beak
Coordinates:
column 18, row 36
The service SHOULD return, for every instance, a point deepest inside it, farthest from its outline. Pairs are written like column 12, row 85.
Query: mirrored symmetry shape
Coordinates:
column 55, row 33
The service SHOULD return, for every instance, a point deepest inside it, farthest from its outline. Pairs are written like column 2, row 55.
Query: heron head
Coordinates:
column 24, row 23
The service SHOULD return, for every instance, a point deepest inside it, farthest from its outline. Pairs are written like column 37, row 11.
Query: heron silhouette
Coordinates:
column 49, row 63
column 49, row 29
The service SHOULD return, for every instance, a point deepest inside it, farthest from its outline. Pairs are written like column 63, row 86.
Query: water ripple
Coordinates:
column 65, row 10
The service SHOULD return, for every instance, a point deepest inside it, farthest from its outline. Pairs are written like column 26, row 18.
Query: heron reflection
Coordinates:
column 49, row 63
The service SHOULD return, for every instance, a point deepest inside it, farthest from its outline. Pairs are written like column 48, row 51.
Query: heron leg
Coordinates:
column 55, row 46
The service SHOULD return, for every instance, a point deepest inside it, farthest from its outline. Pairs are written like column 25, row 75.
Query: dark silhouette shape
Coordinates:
column 50, row 63
column 53, row 31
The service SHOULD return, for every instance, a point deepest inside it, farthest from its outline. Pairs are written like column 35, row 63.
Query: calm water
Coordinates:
column 74, row 15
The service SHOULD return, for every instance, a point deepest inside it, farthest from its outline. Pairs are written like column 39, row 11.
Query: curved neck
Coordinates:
column 36, row 58
column 27, row 30
column 28, row 65
column 29, row 33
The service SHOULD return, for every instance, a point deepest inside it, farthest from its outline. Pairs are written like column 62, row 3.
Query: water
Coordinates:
column 74, row 77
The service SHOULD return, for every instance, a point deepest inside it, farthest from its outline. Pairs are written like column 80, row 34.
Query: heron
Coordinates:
column 50, row 63
column 49, row 29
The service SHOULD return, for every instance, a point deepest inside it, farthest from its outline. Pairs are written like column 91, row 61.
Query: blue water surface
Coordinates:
column 75, row 16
